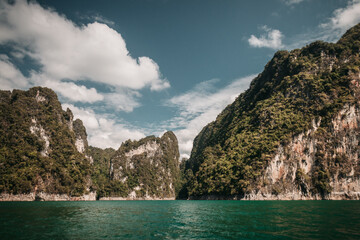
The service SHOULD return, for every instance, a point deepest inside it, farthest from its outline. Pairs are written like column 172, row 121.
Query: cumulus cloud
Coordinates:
column 69, row 90
column 344, row 18
column 123, row 101
column 103, row 130
column 64, row 50
column 69, row 58
column 10, row 76
column 271, row 39
column 199, row 107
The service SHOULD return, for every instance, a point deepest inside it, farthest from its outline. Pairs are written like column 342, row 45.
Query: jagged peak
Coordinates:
column 132, row 144
column 169, row 134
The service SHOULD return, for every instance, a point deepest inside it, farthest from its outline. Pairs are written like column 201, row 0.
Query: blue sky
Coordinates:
column 134, row 68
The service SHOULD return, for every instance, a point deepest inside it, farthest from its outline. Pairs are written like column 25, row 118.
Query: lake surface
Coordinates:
column 180, row 220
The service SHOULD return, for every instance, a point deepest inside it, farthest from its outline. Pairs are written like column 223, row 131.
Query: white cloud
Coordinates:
column 10, row 76
column 64, row 50
column 271, row 39
column 95, row 17
column 292, row 2
column 199, row 107
column 101, row 19
column 103, row 131
column 71, row 56
column 70, row 90
column 18, row 55
column 332, row 28
column 344, row 18
column 86, row 115
column 123, row 101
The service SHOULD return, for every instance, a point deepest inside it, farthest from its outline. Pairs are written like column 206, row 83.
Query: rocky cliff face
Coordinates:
column 292, row 173
column 294, row 134
column 144, row 169
column 42, row 150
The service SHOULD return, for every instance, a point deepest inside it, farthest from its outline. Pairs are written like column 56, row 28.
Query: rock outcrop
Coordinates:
column 145, row 169
column 42, row 150
column 294, row 134
column 289, row 173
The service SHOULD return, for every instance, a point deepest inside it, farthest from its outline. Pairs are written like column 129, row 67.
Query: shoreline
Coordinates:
column 32, row 197
column 290, row 196
column 46, row 197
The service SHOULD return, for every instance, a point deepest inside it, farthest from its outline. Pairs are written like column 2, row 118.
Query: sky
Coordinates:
column 133, row 68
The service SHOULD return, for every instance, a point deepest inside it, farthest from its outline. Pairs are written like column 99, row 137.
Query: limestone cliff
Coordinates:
column 44, row 155
column 294, row 134
column 42, row 150
column 291, row 172
column 144, row 169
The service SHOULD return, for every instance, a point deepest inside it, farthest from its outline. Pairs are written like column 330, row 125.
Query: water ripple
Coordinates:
column 181, row 220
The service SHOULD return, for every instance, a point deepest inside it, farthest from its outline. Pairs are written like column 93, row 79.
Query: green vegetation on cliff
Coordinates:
column 148, row 167
column 37, row 147
column 42, row 149
column 102, row 183
column 295, row 88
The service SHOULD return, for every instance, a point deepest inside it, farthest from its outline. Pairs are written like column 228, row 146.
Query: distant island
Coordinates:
column 294, row 134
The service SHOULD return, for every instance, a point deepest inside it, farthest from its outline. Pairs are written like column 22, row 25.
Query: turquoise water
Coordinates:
column 180, row 220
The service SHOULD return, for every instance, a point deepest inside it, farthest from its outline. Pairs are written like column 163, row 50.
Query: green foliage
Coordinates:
column 302, row 180
column 295, row 88
column 320, row 181
column 102, row 183
column 23, row 167
column 186, row 182
column 117, row 175
column 29, row 164
column 215, row 173
column 276, row 190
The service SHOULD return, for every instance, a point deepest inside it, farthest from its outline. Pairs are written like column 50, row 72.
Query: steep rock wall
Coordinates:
column 145, row 169
column 290, row 174
column 42, row 149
